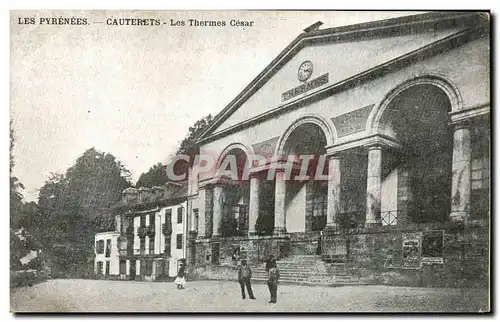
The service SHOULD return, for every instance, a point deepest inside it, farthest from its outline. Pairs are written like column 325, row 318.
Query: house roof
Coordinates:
column 173, row 197
column 380, row 28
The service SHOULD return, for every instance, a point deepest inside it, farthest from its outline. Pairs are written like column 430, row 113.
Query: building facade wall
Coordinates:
column 471, row 81
column 112, row 259
column 465, row 69
column 152, row 262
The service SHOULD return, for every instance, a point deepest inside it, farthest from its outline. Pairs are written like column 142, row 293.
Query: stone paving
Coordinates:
column 223, row 296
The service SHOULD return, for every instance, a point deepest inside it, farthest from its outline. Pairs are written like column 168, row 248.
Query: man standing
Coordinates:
column 244, row 276
column 272, row 281
column 269, row 262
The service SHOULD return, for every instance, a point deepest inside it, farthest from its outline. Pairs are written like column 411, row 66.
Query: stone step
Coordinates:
column 301, row 263
column 284, row 272
column 298, row 270
column 331, row 282
column 312, row 267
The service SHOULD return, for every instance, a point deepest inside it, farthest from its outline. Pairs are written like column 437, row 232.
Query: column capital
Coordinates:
column 375, row 139
column 374, row 146
column 254, row 175
column 461, row 124
column 333, row 155
column 279, row 170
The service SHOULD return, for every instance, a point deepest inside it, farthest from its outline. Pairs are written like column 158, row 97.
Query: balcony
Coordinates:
column 166, row 229
column 150, row 231
column 129, row 231
column 142, row 232
column 168, row 245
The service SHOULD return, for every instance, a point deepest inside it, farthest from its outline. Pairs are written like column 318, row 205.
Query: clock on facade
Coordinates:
column 305, row 71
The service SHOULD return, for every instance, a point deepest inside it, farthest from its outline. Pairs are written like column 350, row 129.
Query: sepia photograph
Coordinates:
column 207, row 161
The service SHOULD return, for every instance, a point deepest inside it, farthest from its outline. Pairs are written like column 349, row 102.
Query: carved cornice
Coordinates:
column 463, row 116
column 376, row 140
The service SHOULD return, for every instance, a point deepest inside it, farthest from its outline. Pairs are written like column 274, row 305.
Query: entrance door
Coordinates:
column 132, row 269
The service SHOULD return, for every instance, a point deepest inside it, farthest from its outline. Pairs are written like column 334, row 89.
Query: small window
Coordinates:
column 108, row 247
column 168, row 246
column 179, row 215
column 107, row 267
column 195, row 219
column 179, row 241
column 100, row 247
column 151, row 245
column 168, row 218
column 142, row 245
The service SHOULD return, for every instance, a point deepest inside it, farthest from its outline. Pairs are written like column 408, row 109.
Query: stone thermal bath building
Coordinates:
column 396, row 114
column 398, row 110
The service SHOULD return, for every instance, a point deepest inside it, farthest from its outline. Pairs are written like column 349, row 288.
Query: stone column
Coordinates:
column 373, row 185
column 333, row 207
column 190, row 215
column 209, row 208
column 280, row 201
column 461, row 173
column 254, row 206
column 218, row 206
column 202, row 195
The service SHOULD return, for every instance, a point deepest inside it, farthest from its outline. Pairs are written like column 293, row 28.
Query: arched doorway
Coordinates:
column 306, row 199
column 235, row 194
column 418, row 118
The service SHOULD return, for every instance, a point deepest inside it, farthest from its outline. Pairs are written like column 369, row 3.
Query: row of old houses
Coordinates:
column 150, row 235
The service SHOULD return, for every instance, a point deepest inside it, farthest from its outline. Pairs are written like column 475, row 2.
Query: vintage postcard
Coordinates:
column 250, row 161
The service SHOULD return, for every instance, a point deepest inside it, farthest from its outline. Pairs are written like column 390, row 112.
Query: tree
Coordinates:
column 156, row 176
column 16, row 197
column 97, row 180
column 188, row 146
column 73, row 206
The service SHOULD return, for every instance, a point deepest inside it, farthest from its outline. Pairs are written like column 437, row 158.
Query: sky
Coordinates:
column 133, row 91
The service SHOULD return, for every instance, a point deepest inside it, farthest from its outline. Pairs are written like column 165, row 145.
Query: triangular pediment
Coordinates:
column 336, row 55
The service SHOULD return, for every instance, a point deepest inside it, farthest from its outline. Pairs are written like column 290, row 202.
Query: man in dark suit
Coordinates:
column 269, row 262
column 272, row 281
column 244, row 276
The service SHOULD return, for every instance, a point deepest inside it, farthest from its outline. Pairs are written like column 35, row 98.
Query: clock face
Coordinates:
column 305, row 71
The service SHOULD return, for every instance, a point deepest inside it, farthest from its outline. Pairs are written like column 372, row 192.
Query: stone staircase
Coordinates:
column 311, row 270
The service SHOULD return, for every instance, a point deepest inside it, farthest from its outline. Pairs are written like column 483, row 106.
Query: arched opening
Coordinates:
column 306, row 199
column 235, row 197
column 418, row 118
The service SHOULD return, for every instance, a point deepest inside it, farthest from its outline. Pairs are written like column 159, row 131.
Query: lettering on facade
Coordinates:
column 412, row 243
column 304, row 88
column 352, row 122
column 265, row 148
column 432, row 247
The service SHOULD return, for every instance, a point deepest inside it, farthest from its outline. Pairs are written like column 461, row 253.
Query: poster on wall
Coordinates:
column 411, row 250
column 432, row 247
